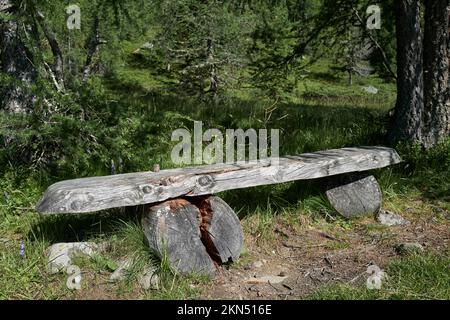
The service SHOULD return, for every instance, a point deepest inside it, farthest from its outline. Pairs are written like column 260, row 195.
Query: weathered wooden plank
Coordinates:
column 99, row 193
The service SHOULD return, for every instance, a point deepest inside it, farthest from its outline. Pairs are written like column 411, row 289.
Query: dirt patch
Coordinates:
column 311, row 258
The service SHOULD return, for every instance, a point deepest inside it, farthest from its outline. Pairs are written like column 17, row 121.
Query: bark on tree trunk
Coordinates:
column 213, row 78
column 407, row 121
column 92, row 48
column 16, row 62
column 436, row 116
column 57, row 69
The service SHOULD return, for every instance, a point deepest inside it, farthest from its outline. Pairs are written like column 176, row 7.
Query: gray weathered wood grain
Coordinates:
column 354, row 196
column 194, row 235
column 99, row 193
column 224, row 230
column 172, row 229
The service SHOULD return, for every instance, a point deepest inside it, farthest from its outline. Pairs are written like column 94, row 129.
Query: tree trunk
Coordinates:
column 57, row 70
column 407, row 121
column 92, row 48
column 436, row 116
column 213, row 78
column 16, row 62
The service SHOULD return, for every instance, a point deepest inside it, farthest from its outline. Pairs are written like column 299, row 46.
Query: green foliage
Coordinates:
column 274, row 38
column 201, row 44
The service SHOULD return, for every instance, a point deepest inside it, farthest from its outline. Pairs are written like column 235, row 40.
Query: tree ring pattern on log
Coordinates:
column 147, row 189
column 196, row 234
column 205, row 182
column 172, row 229
column 225, row 230
column 355, row 195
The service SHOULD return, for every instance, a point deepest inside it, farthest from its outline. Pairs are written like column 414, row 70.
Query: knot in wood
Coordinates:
column 205, row 182
column 147, row 189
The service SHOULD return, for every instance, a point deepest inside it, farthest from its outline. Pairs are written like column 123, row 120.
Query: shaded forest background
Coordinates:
column 67, row 94
column 105, row 99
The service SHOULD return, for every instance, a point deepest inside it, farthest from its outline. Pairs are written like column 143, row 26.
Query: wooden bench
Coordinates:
column 198, row 231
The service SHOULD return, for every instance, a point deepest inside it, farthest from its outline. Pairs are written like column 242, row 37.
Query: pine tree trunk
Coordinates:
column 16, row 62
column 436, row 116
column 407, row 120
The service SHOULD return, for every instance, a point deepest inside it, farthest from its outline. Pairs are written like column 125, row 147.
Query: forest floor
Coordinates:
column 310, row 259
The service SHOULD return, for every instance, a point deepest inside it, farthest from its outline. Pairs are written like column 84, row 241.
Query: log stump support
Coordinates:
column 195, row 234
column 354, row 195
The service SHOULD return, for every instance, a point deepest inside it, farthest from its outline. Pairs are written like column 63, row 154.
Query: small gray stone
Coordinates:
column 257, row 264
column 388, row 218
column 150, row 279
column 409, row 247
column 60, row 255
column 120, row 272
column 370, row 89
column 148, row 46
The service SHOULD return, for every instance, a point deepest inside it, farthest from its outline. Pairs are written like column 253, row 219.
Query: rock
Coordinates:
column 148, row 46
column 257, row 264
column 120, row 272
column 150, row 279
column 266, row 279
column 370, row 89
column 388, row 218
column 409, row 247
column 60, row 255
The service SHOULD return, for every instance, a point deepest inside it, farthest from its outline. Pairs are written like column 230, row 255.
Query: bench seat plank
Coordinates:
column 131, row 189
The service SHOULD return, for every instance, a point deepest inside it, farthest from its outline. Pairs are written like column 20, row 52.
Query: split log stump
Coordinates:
column 196, row 234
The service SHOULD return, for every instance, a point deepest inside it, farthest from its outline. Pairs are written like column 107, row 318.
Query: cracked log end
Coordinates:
column 197, row 234
column 355, row 195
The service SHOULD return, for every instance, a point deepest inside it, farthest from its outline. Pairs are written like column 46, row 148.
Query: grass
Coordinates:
column 321, row 113
column 413, row 277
